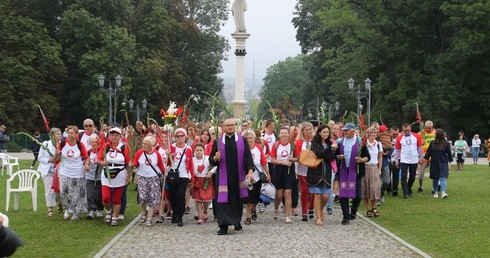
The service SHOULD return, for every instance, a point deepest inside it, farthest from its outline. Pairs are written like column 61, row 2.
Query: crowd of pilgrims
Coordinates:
column 87, row 172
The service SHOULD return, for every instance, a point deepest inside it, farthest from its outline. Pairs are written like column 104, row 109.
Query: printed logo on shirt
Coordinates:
column 178, row 155
column 70, row 153
column 113, row 154
column 268, row 139
column 284, row 153
column 148, row 162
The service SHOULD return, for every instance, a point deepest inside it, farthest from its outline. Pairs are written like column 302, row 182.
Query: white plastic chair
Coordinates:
column 9, row 162
column 27, row 183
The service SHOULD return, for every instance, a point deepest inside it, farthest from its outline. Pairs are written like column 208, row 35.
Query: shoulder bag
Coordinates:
column 262, row 175
column 173, row 177
column 159, row 175
column 309, row 159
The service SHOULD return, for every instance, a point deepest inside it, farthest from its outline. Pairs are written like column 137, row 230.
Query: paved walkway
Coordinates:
column 265, row 237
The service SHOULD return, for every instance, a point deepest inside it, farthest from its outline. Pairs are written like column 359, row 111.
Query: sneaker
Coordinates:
column 305, row 218
column 311, row 214
column 444, row 195
column 74, row 217
column 99, row 214
column 67, row 215
column 120, row 217
column 169, row 215
column 90, row 215
column 329, row 211
column 261, row 207
column 420, row 189
column 288, row 220
column 436, row 195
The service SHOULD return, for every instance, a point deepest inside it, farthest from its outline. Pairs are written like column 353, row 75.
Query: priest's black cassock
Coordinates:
column 230, row 212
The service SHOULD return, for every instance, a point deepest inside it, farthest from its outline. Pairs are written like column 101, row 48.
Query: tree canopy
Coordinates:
column 54, row 51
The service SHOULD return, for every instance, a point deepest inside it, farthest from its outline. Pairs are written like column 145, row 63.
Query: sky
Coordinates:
column 272, row 37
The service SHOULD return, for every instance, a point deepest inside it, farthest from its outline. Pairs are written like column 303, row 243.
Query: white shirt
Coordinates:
column 144, row 168
column 408, row 151
column 282, row 152
column 270, row 139
column 257, row 155
column 374, row 149
column 201, row 166
column 45, row 166
column 93, row 166
column 71, row 164
column 179, row 154
column 301, row 169
column 85, row 139
column 475, row 143
column 115, row 157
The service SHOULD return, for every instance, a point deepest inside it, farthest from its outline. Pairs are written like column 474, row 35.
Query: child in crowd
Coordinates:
column 202, row 190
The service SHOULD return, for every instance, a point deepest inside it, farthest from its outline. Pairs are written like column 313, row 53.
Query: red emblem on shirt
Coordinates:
column 284, row 153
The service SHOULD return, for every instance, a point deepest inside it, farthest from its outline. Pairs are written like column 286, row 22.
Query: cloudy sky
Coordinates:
column 272, row 37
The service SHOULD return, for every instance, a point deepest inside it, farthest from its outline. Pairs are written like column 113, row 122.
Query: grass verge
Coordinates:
column 55, row 237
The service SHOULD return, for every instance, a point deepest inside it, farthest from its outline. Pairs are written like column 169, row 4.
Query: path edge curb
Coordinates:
column 116, row 238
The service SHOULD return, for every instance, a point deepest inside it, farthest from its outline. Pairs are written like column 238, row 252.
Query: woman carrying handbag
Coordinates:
column 319, row 179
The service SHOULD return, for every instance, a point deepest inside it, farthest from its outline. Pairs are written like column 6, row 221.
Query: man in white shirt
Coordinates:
column 408, row 153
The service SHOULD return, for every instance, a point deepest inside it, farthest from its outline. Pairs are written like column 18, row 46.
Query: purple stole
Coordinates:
column 223, row 176
column 348, row 176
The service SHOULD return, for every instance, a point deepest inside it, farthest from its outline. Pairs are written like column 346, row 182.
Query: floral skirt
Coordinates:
column 73, row 196
column 149, row 191
column 200, row 194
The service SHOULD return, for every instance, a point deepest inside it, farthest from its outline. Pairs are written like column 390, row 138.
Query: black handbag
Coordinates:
column 262, row 175
column 173, row 177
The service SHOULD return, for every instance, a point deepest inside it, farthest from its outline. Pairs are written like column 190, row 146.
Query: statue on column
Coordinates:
column 238, row 10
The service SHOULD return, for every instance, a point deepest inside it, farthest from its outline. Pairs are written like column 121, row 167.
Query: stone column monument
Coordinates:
column 240, row 35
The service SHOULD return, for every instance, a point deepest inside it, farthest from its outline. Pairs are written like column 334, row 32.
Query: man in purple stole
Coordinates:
column 232, row 155
column 352, row 157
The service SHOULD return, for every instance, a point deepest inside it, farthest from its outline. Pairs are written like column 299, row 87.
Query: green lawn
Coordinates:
column 454, row 227
column 55, row 237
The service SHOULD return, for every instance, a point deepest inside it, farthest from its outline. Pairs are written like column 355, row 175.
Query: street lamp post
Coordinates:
column 111, row 92
column 362, row 94
column 139, row 110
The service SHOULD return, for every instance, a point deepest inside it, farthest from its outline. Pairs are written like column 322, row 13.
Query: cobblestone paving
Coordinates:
column 264, row 237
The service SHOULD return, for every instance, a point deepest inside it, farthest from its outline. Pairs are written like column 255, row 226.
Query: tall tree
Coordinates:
column 30, row 71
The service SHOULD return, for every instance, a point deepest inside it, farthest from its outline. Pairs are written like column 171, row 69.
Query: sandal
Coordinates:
column 199, row 221
column 50, row 213
column 108, row 217
column 60, row 208
column 375, row 212
column 276, row 214
column 248, row 221
column 114, row 221
column 142, row 218
column 369, row 214
column 205, row 217
column 254, row 215
column 160, row 219
column 148, row 223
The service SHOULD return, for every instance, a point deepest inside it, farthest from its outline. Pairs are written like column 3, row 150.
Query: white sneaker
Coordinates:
column 99, row 214
column 120, row 217
column 436, row 195
column 74, row 217
column 90, row 215
column 67, row 215
column 444, row 195
column 261, row 207
column 288, row 220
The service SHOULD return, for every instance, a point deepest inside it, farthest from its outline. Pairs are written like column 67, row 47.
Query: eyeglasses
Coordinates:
column 179, row 136
column 88, row 125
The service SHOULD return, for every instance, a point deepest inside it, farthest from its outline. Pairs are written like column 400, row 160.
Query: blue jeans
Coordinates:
column 475, row 151
column 442, row 181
